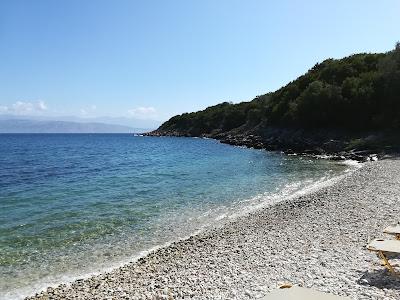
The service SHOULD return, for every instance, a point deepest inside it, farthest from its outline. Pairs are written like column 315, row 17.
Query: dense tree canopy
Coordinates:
column 359, row 92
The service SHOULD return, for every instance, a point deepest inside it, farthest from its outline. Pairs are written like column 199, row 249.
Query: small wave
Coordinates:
column 192, row 219
column 220, row 217
column 286, row 194
column 351, row 163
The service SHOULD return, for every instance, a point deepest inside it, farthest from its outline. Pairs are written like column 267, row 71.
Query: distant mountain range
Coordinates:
column 46, row 126
column 124, row 121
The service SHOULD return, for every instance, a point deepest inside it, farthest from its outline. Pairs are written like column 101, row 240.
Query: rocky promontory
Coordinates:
column 334, row 145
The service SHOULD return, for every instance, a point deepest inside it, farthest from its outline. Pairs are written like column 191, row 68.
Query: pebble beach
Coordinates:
column 317, row 240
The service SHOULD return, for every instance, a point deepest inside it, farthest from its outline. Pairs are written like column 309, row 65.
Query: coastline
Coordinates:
column 290, row 242
column 257, row 186
column 319, row 144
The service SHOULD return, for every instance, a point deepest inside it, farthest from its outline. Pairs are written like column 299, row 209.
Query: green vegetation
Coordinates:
column 358, row 93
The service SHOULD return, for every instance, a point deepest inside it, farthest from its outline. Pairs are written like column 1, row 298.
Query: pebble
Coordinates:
column 317, row 241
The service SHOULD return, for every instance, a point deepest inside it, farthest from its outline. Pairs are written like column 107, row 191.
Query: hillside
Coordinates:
column 338, row 105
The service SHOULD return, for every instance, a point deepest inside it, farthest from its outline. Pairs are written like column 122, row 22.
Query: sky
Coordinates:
column 150, row 60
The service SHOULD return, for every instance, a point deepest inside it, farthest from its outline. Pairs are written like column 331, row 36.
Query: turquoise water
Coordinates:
column 73, row 205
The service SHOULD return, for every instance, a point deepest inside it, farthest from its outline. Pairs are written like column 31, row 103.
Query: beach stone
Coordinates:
column 316, row 241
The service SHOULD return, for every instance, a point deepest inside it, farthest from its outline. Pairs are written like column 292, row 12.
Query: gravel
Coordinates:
column 317, row 240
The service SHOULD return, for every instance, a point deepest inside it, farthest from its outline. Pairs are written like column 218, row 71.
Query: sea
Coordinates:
column 73, row 205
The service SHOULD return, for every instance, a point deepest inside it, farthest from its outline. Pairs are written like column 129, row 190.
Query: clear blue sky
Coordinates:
column 154, row 59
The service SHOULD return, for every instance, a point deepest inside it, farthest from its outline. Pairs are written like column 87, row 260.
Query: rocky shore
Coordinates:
column 335, row 145
column 317, row 240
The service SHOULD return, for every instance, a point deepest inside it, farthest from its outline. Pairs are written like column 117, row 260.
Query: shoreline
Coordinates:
column 254, row 141
column 260, row 201
column 223, row 262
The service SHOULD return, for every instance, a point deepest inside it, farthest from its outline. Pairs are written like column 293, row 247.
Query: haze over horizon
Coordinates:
column 145, row 62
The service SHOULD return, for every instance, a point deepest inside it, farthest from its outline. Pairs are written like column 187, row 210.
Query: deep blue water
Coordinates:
column 73, row 204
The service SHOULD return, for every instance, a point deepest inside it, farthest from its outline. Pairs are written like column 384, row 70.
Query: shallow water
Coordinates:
column 76, row 204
